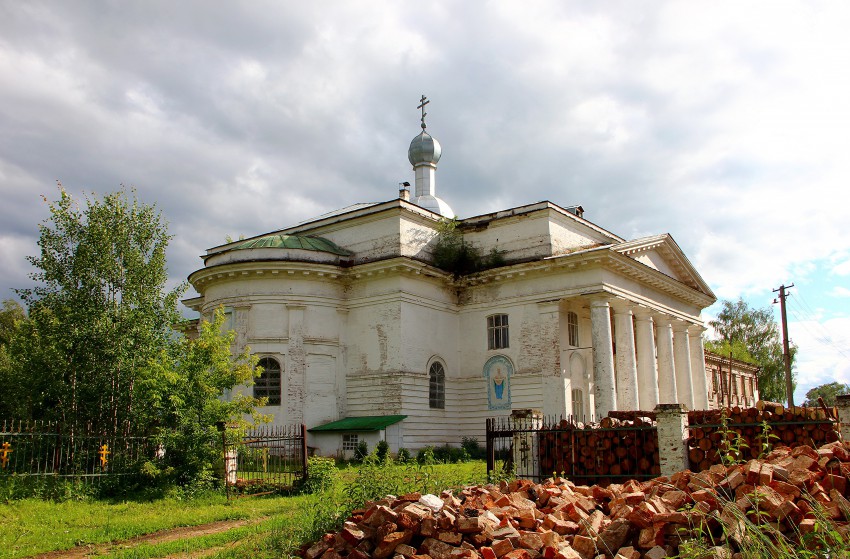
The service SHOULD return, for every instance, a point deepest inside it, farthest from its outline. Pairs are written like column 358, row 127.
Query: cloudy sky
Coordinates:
column 725, row 124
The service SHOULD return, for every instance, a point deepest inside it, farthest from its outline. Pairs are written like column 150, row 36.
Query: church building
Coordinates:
column 363, row 336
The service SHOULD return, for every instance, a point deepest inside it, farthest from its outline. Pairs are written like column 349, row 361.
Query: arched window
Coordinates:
column 267, row 385
column 437, row 386
column 572, row 329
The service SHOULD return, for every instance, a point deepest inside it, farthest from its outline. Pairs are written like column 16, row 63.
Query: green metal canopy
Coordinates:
column 359, row 424
column 303, row 242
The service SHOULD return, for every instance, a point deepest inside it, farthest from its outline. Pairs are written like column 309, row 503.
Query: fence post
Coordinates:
column 843, row 405
column 304, row 460
column 672, row 424
column 491, row 454
column 527, row 424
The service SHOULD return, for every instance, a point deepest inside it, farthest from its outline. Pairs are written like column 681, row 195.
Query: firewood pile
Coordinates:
column 613, row 449
column 791, row 493
column 744, row 435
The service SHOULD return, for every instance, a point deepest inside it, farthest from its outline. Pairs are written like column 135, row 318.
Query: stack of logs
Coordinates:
column 616, row 449
column 744, row 436
column 793, row 495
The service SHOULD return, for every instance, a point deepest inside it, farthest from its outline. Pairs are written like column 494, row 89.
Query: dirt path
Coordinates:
column 163, row 536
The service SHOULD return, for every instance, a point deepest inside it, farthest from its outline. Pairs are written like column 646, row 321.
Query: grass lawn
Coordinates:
column 29, row 527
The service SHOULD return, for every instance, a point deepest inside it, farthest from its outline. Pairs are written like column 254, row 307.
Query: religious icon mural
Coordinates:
column 497, row 373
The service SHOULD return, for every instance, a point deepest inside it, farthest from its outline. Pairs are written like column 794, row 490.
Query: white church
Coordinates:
column 362, row 337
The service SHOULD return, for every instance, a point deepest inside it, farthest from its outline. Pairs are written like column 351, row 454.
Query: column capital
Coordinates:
column 661, row 319
column 680, row 325
column 598, row 301
column 642, row 313
column 621, row 306
column 696, row 329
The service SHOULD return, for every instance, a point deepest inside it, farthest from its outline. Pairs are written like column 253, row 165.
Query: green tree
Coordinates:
column 100, row 310
column 828, row 392
column 12, row 316
column 753, row 336
column 180, row 396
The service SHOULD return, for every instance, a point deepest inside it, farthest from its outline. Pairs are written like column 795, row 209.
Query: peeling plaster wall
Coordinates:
column 522, row 237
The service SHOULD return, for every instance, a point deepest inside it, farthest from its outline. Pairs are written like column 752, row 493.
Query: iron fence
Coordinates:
column 537, row 448
column 83, row 451
column 266, row 459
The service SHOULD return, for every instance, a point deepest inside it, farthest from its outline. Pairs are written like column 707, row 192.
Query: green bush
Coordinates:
column 361, row 452
column 426, row 456
column 322, row 474
column 402, row 456
column 448, row 454
column 382, row 450
column 473, row 449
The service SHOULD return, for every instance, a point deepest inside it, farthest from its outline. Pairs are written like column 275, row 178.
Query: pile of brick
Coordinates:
column 789, row 490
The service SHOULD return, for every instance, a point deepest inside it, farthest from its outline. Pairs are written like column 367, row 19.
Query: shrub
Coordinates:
column 473, row 449
column 450, row 454
column 361, row 452
column 321, row 475
column 402, row 456
column 382, row 450
column 425, row 456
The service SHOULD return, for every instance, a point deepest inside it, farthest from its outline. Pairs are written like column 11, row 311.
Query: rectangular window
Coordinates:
column 497, row 331
column 572, row 329
column 350, row 442
column 578, row 404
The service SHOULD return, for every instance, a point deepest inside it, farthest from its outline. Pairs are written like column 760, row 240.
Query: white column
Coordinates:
column 647, row 368
column 666, row 369
column 627, row 382
column 603, row 357
column 684, row 378
column 698, row 368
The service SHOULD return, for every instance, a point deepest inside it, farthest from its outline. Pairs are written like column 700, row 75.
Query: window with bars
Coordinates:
column 267, row 385
column 572, row 329
column 437, row 386
column 497, row 331
column 350, row 442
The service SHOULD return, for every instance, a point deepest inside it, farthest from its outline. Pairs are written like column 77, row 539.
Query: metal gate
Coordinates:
column 266, row 459
column 536, row 448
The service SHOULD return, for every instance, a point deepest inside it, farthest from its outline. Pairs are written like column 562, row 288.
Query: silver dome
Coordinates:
column 424, row 149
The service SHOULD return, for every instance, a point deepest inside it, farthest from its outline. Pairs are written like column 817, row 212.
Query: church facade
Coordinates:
column 363, row 337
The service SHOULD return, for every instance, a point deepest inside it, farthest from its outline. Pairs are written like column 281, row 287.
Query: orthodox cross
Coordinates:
column 422, row 103
column 104, row 453
column 5, row 451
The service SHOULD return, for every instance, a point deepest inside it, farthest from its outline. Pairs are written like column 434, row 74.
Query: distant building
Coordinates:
column 731, row 382
column 362, row 337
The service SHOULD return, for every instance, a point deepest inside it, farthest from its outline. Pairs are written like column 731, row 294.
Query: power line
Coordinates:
column 824, row 337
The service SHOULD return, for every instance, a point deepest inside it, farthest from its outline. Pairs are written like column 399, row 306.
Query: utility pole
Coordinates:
column 786, row 352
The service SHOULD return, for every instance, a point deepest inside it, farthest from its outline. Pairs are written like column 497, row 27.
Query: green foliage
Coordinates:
column 99, row 312
column 382, row 450
column 828, row 392
column 752, row 335
column 448, row 454
column 732, row 443
column 361, row 452
column 473, row 448
column 100, row 337
column 402, row 456
column 453, row 254
column 12, row 316
column 425, row 456
column 180, row 391
column 322, row 475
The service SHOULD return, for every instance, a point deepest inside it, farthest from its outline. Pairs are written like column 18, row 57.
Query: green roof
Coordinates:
column 303, row 242
column 359, row 424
